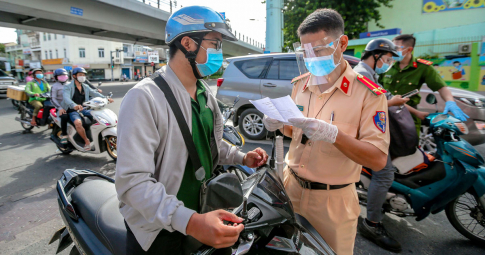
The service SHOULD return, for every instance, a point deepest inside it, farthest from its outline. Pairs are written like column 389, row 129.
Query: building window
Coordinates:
column 44, row 37
column 101, row 52
column 49, row 36
column 65, row 53
column 46, row 56
column 50, row 54
column 57, row 54
column 82, row 52
column 55, row 36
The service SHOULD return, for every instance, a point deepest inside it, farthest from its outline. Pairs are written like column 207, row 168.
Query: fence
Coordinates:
column 169, row 6
column 443, row 47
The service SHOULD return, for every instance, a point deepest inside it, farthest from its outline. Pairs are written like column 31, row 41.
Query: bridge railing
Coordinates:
column 169, row 6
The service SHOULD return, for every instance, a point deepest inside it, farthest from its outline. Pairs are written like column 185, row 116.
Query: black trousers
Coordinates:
column 64, row 120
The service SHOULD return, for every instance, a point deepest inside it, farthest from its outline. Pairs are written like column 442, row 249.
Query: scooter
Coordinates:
column 93, row 222
column 454, row 181
column 26, row 112
column 100, row 130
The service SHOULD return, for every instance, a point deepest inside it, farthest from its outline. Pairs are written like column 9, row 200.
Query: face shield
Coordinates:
column 317, row 58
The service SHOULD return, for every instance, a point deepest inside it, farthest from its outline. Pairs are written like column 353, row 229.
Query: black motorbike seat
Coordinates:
column 96, row 203
column 434, row 172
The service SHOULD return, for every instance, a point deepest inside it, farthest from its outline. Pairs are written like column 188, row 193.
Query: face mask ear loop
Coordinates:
column 375, row 60
column 191, row 55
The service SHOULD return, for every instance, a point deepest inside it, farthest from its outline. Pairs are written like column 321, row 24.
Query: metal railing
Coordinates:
column 443, row 47
column 169, row 5
column 14, row 47
column 34, row 44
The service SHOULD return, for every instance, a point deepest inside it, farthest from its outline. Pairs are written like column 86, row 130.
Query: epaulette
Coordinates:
column 376, row 89
column 424, row 61
column 300, row 77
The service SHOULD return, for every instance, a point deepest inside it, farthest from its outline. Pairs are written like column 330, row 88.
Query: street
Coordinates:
column 30, row 165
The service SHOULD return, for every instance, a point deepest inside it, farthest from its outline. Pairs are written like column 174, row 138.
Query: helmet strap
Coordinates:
column 376, row 59
column 191, row 55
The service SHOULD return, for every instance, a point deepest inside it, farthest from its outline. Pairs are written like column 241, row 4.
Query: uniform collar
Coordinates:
column 412, row 64
column 343, row 83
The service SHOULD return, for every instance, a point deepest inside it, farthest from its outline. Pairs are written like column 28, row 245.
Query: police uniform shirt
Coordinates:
column 360, row 110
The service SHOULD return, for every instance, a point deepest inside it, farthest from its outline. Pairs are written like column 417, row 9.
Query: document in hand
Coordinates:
column 282, row 108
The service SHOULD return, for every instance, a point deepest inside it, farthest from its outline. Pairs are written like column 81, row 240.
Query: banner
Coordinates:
column 430, row 6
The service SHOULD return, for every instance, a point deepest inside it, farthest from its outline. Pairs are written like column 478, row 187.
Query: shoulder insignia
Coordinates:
column 376, row 89
column 300, row 77
column 415, row 65
column 424, row 61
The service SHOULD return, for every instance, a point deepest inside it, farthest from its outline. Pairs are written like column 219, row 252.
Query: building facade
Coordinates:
column 451, row 33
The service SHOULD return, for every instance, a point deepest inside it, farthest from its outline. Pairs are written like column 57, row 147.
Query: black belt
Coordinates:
column 315, row 185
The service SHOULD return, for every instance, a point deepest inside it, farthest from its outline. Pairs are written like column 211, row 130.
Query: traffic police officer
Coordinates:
column 409, row 73
column 345, row 127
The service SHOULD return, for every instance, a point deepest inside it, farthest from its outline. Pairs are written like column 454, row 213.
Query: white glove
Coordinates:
column 315, row 129
column 272, row 124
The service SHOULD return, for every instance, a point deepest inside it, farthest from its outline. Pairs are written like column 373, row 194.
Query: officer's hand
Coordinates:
column 457, row 112
column 62, row 111
column 315, row 129
column 422, row 115
column 255, row 158
column 397, row 100
column 272, row 124
column 209, row 228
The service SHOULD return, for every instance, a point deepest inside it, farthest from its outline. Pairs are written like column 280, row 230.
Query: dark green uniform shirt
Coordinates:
column 411, row 77
column 401, row 81
column 202, row 130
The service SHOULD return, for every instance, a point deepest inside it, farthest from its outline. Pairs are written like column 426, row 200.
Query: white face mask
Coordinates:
column 81, row 79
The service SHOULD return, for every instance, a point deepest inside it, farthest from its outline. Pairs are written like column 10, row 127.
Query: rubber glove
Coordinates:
column 315, row 129
column 272, row 124
column 457, row 112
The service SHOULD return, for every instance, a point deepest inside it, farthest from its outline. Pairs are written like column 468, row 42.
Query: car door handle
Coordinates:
column 269, row 85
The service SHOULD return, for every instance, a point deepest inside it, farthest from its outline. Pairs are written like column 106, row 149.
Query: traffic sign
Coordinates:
column 68, row 68
column 152, row 64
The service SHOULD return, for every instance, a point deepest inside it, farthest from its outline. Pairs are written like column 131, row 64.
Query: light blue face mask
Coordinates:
column 39, row 76
column 321, row 66
column 383, row 68
column 400, row 56
column 213, row 63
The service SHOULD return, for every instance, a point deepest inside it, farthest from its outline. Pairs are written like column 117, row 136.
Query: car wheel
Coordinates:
column 251, row 124
column 426, row 140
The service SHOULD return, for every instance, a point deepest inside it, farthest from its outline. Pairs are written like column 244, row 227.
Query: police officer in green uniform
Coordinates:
column 409, row 73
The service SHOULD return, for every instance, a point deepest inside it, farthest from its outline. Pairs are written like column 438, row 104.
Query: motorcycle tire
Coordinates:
column 27, row 127
column 465, row 228
column 111, row 147
column 64, row 151
column 15, row 104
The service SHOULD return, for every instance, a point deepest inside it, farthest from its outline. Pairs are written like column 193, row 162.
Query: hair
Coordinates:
column 407, row 39
column 327, row 20
column 368, row 54
column 172, row 48
column 457, row 62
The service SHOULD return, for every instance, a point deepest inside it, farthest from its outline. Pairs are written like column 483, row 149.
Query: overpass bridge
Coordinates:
column 128, row 21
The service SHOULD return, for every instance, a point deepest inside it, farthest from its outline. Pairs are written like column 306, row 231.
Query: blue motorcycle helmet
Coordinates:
column 195, row 22
column 59, row 71
column 78, row 70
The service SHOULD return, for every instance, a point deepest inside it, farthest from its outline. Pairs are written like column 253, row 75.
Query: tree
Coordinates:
column 356, row 15
column 2, row 48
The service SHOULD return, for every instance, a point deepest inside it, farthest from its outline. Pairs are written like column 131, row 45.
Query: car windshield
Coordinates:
column 3, row 74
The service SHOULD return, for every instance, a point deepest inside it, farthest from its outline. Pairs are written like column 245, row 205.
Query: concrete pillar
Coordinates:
column 274, row 25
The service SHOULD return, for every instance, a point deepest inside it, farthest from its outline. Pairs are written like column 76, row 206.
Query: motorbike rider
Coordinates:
column 60, row 75
column 29, row 77
column 155, row 180
column 74, row 95
column 33, row 89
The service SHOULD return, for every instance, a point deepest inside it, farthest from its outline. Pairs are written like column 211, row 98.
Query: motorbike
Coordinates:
column 100, row 129
column 26, row 112
column 89, row 209
column 453, row 182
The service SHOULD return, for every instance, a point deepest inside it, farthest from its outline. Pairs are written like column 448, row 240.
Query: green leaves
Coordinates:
column 356, row 15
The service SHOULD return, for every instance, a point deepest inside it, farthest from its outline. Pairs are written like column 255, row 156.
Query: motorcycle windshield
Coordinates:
column 271, row 190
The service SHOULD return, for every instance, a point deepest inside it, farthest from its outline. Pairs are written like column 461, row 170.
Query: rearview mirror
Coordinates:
column 222, row 192
column 431, row 99
column 99, row 84
column 236, row 100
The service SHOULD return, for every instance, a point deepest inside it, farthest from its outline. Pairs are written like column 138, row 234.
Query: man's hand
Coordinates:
column 36, row 95
column 62, row 111
column 78, row 107
column 110, row 100
column 397, row 100
column 271, row 124
column 421, row 115
column 457, row 112
column 100, row 91
column 315, row 129
column 255, row 158
column 209, row 229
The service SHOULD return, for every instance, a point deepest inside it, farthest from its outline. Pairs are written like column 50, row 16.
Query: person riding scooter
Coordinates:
column 60, row 75
column 33, row 89
column 74, row 95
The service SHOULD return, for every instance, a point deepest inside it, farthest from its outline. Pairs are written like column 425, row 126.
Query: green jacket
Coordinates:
column 33, row 88
column 411, row 77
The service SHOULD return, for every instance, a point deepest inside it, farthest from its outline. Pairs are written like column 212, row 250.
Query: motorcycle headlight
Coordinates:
column 102, row 121
column 476, row 102
column 462, row 127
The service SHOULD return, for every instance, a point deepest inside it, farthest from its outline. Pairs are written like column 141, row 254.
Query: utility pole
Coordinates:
column 170, row 6
column 112, row 62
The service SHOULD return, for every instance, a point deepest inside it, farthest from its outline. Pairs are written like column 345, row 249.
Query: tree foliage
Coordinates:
column 2, row 48
column 356, row 15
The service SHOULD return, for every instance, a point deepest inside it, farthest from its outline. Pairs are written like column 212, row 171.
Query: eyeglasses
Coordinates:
column 218, row 43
